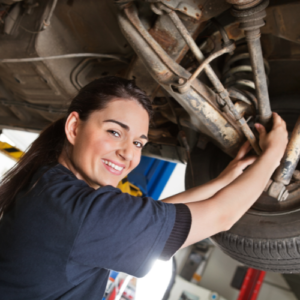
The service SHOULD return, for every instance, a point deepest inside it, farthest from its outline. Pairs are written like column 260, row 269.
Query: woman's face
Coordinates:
column 108, row 145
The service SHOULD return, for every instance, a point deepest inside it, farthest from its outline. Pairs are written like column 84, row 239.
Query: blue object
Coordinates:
column 151, row 176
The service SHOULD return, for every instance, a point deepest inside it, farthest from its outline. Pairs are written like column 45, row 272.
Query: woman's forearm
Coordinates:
column 228, row 205
column 205, row 191
column 198, row 193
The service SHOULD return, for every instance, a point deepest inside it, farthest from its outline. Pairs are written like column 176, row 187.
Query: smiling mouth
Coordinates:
column 112, row 165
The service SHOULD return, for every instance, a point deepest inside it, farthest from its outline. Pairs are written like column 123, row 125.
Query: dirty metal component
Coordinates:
column 196, row 51
column 186, row 85
column 237, row 71
column 244, row 96
column 183, row 88
column 244, row 109
column 278, row 190
column 223, row 32
column 251, row 14
column 46, row 22
column 187, row 7
column 199, row 101
column 291, row 157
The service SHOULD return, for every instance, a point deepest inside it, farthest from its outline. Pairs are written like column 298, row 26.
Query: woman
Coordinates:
column 64, row 223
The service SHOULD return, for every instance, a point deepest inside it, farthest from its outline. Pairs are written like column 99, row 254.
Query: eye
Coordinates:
column 114, row 133
column 139, row 145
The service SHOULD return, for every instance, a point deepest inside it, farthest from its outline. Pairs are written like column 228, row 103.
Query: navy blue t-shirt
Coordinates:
column 61, row 237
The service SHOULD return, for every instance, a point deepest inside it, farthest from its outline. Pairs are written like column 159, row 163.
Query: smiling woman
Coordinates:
column 64, row 223
column 107, row 147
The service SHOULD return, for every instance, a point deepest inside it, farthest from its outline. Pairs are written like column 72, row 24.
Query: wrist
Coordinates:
column 272, row 157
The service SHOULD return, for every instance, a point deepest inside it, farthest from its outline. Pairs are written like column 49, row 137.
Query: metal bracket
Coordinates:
column 187, row 7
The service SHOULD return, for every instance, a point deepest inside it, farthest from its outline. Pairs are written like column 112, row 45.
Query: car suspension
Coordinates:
column 215, row 114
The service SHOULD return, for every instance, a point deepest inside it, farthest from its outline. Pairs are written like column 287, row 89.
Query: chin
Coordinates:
column 105, row 183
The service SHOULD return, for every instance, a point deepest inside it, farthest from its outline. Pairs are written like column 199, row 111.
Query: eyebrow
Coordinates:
column 126, row 127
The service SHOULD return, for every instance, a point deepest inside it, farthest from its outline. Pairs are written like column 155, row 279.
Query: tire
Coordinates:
column 266, row 239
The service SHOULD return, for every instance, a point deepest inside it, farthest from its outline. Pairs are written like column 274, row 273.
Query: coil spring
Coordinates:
column 237, row 75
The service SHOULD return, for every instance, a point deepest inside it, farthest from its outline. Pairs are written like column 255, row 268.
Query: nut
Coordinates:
column 181, row 81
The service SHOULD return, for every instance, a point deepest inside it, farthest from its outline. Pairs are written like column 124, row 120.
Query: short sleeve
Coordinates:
column 179, row 232
column 124, row 233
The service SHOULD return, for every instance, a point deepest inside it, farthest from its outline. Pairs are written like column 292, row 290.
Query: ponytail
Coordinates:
column 44, row 151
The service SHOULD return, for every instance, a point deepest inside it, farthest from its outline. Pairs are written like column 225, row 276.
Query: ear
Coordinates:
column 71, row 127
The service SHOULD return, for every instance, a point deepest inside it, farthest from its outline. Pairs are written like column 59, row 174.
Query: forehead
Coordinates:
column 129, row 112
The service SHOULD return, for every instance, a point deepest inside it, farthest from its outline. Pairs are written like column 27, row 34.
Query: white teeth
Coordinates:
column 112, row 165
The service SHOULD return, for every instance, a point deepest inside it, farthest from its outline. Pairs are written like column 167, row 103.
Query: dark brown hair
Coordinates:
column 45, row 150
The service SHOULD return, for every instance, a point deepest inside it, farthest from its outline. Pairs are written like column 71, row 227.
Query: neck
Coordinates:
column 65, row 160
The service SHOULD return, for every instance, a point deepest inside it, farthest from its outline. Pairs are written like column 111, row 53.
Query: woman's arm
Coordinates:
column 205, row 191
column 227, row 206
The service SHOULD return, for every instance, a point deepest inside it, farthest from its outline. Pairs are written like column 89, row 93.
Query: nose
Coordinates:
column 126, row 151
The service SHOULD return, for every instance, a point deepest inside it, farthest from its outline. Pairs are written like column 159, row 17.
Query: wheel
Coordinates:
column 267, row 237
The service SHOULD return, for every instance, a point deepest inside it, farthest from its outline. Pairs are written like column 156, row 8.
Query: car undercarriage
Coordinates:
column 212, row 69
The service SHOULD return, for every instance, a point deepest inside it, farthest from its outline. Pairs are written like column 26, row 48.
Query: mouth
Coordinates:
column 114, row 168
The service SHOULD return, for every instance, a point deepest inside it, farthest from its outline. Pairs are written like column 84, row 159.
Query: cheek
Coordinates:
column 136, row 160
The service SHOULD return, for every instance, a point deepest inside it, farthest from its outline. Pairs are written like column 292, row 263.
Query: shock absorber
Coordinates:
column 250, row 14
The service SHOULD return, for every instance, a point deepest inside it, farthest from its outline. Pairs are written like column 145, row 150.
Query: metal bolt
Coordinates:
column 278, row 191
column 284, row 196
column 181, row 81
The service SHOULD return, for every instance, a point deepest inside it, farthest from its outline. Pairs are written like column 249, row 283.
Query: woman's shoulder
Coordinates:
column 59, row 180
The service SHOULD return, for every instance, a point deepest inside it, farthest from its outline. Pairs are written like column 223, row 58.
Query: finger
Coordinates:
column 249, row 160
column 246, row 147
column 277, row 121
column 284, row 124
column 261, row 130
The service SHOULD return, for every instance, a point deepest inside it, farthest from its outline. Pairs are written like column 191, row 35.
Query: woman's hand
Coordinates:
column 216, row 213
column 236, row 167
column 273, row 142
column 276, row 140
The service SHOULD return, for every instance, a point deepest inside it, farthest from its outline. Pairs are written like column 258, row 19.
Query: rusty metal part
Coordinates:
column 185, row 87
column 290, row 159
column 244, row 109
column 236, row 66
column 238, row 95
column 197, row 52
column 222, row 31
column 251, row 19
column 187, row 7
column 278, row 190
column 264, row 108
column 199, row 102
